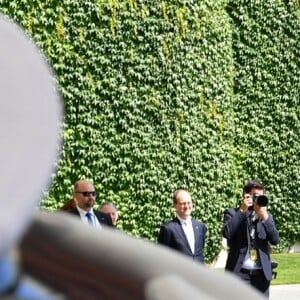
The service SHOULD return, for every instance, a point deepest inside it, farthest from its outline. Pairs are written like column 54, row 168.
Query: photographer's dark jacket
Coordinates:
column 235, row 230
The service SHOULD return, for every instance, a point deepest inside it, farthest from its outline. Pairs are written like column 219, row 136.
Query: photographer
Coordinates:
column 249, row 229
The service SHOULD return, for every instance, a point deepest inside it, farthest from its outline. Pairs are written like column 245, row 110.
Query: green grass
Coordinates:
column 288, row 270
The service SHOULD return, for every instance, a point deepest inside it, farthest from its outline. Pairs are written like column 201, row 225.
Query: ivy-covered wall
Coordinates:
column 166, row 94
column 266, row 47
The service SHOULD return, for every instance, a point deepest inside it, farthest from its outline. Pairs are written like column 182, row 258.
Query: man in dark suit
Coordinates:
column 249, row 229
column 184, row 233
column 85, row 197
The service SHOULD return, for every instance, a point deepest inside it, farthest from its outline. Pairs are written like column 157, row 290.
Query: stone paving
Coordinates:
column 285, row 292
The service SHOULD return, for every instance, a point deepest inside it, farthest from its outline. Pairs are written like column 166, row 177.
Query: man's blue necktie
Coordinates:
column 89, row 217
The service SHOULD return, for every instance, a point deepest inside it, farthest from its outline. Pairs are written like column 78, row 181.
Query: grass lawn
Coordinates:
column 288, row 270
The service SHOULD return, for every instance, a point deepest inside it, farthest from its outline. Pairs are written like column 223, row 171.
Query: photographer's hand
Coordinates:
column 246, row 203
column 261, row 211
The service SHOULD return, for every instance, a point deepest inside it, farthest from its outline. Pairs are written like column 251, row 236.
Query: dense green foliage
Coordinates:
column 267, row 91
column 166, row 94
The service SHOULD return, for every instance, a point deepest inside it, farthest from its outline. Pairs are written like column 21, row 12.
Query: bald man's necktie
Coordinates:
column 89, row 217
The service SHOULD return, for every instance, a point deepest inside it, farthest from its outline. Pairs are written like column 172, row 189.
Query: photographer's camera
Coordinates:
column 260, row 200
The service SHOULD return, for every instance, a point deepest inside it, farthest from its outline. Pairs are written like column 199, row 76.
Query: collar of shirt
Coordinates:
column 185, row 221
column 83, row 212
column 84, row 219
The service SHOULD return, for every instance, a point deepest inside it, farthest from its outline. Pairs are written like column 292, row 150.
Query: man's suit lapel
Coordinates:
column 196, row 228
column 181, row 233
column 99, row 217
column 179, row 230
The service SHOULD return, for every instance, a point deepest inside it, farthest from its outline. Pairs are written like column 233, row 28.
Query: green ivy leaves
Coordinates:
column 195, row 94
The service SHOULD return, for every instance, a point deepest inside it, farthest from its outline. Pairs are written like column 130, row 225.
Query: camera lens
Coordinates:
column 261, row 200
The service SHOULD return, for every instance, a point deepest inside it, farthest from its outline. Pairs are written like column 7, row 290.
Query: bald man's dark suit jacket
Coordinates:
column 172, row 235
column 235, row 230
column 104, row 219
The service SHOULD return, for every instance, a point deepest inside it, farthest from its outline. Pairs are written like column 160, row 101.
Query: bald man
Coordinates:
column 85, row 198
column 184, row 233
